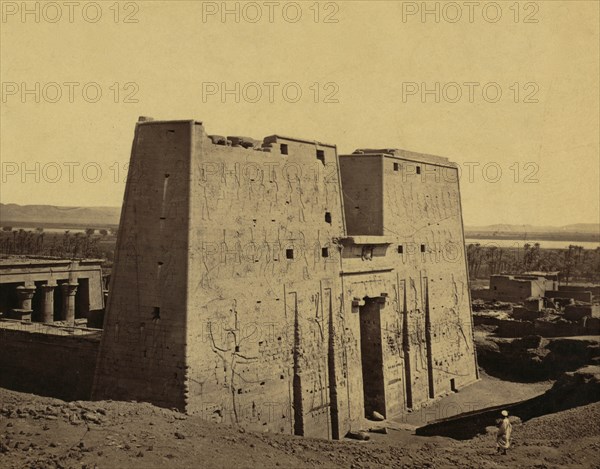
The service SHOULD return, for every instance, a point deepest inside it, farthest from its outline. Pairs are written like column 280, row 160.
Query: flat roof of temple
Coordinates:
column 150, row 121
column 403, row 154
column 145, row 120
column 41, row 262
column 274, row 137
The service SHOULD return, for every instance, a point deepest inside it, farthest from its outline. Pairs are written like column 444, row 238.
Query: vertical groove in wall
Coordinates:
column 297, row 383
column 400, row 327
column 406, row 349
column 290, row 383
column 428, row 340
column 333, row 400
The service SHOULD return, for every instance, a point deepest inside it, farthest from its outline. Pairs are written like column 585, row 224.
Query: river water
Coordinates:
column 544, row 243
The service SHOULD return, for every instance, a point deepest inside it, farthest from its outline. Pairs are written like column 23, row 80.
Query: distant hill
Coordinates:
column 589, row 232
column 592, row 228
column 53, row 216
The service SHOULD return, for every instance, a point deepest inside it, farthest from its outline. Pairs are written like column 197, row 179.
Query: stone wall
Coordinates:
column 577, row 312
column 577, row 295
column 237, row 293
column 225, row 293
column 264, row 291
column 143, row 351
column 595, row 290
column 60, row 366
column 482, row 294
column 418, row 269
column 505, row 288
column 541, row 327
column 512, row 328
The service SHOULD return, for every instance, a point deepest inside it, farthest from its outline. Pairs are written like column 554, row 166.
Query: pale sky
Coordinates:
column 542, row 133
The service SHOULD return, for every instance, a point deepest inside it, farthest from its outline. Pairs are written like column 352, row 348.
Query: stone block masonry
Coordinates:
column 48, row 360
column 284, row 288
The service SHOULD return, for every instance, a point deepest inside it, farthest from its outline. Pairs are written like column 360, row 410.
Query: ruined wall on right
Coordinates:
column 422, row 212
column 414, row 266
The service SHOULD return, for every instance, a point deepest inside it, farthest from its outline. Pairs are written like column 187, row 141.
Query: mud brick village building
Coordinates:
column 276, row 285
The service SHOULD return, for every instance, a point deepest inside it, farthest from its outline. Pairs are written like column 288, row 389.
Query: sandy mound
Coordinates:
column 38, row 432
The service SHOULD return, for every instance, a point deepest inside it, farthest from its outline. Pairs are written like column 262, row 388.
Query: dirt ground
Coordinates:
column 487, row 392
column 40, row 432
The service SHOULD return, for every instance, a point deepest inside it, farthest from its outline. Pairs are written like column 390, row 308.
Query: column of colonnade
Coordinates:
column 24, row 295
column 24, row 310
column 68, row 302
column 48, row 302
